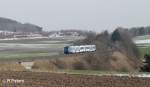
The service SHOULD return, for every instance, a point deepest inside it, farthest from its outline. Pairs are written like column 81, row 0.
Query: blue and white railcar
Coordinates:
column 79, row 49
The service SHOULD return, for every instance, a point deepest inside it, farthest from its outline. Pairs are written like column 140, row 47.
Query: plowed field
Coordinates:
column 38, row 79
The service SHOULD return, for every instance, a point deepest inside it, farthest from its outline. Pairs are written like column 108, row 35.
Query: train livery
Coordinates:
column 79, row 49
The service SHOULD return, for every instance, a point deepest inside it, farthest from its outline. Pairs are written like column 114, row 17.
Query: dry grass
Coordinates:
column 55, row 64
column 44, row 65
column 116, row 62
column 120, row 62
column 11, row 67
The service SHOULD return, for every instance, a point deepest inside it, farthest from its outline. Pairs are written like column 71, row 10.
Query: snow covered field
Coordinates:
column 147, row 41
column 31, row 49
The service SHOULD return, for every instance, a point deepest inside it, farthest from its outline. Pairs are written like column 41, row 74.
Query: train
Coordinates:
column 79, row 49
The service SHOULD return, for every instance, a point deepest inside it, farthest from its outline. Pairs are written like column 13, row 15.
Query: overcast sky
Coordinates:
column 95, row 15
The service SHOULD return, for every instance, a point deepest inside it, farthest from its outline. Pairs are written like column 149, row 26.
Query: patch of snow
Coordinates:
column 147, row 41
column 27, row 65
column 127, row 75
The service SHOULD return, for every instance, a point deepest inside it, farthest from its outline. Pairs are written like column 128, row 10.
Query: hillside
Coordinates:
column 14, row 26
column 115, row 52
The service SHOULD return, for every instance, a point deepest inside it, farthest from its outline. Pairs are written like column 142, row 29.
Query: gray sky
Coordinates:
column 95, row 15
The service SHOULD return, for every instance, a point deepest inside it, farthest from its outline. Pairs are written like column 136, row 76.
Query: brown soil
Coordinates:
column 37, row 79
